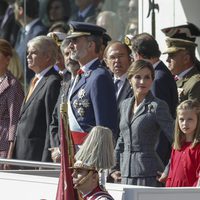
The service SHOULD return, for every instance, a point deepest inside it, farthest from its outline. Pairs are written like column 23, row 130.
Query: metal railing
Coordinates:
column 33, row 164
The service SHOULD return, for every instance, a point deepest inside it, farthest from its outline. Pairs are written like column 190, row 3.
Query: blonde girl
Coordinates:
column 185, row 157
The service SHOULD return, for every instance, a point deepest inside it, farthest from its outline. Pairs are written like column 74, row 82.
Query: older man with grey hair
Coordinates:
column 32, row 140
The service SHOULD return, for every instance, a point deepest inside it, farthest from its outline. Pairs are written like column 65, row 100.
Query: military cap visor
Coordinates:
column 175, row 45
column 78, row 29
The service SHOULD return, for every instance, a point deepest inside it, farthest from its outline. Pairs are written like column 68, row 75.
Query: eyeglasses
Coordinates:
column 117, row 56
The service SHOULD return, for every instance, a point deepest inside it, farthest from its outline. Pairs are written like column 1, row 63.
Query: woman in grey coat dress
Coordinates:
column 142, row 119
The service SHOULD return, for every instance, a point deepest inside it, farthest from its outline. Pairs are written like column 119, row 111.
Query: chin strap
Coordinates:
column 83, row 179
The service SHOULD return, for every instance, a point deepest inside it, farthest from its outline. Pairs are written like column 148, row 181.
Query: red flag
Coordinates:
column 65, row 190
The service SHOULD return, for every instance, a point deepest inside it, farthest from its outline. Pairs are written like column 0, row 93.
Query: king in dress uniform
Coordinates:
column 91, row 100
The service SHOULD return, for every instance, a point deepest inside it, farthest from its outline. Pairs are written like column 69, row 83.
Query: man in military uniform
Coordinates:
column 91, row 100
column 182, row 64
column 86, row 180
column 187, row 31
column 94, row 155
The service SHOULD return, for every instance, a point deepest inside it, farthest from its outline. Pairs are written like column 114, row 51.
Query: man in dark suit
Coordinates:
column 144, row 46
column 117, row 56
column 31, row 27
column 92, row 97
column 32, row 140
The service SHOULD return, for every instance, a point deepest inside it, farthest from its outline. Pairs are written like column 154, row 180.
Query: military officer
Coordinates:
column 182, row 63
column 94, row 155
column 187, row 32
column 91, row 100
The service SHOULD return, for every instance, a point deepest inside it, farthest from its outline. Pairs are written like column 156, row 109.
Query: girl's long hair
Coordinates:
column 179, row 136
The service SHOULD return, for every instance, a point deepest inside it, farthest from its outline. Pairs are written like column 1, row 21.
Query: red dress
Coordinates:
column 184, row 167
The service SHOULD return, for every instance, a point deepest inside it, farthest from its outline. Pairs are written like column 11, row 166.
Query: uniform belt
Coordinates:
column 78, row 137
column 138, row 148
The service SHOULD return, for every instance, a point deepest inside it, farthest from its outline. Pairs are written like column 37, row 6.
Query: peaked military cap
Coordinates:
column 174, row 45
column 187, row 31
column 58, row 37
column 78, row 29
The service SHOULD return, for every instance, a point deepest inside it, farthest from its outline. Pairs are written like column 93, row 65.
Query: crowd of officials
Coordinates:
column 152, row 110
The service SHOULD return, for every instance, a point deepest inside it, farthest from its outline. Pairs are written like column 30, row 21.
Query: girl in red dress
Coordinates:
column 184, row 168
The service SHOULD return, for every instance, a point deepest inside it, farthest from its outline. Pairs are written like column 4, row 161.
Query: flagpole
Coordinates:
column 65, row 190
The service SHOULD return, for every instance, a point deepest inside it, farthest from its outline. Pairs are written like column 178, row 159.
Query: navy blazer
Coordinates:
column 32, row 135
column 135, row 151
column 164, row 87
column 94, row 97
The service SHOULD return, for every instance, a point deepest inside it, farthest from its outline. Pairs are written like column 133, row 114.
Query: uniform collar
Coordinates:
column 86, row 66
column 182, row 74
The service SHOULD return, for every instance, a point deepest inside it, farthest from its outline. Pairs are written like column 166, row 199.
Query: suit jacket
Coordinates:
column 135, row 150
column 189, row 86
column 21, row 45
column 11, row 97
column 164, row 87
column 91, row 12
column 32, row 141
column 93, row 99
column 10, row 27
column 125, row 92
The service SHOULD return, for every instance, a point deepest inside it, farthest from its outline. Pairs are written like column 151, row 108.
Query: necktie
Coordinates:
column 78, row 76
column 79, row 72
column 116, row 83
column 32, row 87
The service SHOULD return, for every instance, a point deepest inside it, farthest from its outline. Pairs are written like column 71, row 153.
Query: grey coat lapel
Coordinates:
column 143, row 107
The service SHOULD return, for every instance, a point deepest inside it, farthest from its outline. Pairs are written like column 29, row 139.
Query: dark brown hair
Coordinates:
column 137, row 66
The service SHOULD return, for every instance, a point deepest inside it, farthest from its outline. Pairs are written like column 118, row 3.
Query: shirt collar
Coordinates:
column 182, row 74
column 42, row 73
column 121, row 78
column 155, row 64
column 86, row 66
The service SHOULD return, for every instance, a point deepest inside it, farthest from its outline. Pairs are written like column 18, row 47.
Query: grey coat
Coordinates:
column 135, row 150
